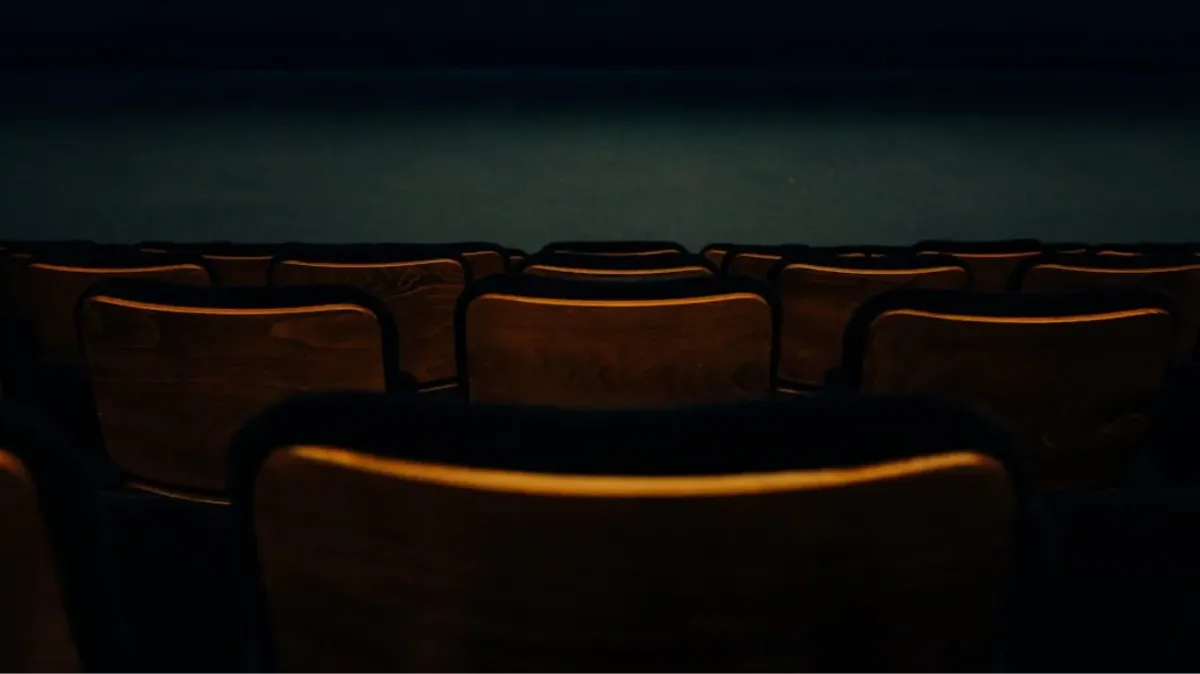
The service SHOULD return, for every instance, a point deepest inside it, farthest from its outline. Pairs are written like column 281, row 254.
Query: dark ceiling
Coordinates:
column 1019, row 34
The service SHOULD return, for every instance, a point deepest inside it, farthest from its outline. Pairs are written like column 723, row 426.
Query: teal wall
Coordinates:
column 127, row 159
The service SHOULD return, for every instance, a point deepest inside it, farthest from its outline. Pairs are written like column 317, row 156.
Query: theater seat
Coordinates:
column 484, row 259
column 545, row 341
column 698, row 539
column 1147, row 248
column 61, row 611
column 57, row 278
column 616, row 267
column 1175, row 275
column 419, row 284
column 515, row 257
column 991, row 262
column 821, row 289
column 716, row 252
column 175, row 370
column 855, row 251
column 615, row 248
column 1076, row 374
column 233, row 264
column 756, row 261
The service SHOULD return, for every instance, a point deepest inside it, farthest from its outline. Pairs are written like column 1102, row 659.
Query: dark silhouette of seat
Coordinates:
column 57, row 278
column 484, row 259
column 420, row 284
column 61, row 609
column 616, row 267
column 716, row 252
column 615, row 248
column 863, row 251
column 757, row 261
column 820, row 291
column 991, row 262
column 515, row 257
column 1066, row 248
column 543, row 341
column 1075, row 374
column 175, row 370
column 1146, row 248
column 1174, row 275
column 233, row 264
column 628, row 541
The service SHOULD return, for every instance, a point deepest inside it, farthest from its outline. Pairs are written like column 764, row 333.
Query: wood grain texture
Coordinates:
column 1182, row 285
column 240, row 270
column 172, row 387
column 1078, row 393
column 818, row 301
column 485, row 263
column 35, row 635
column 889, row 575
column 420, row 295
column 55, row 290
column 622, row 353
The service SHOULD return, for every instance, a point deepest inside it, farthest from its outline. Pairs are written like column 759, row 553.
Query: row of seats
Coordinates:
column 559, row 540
column 818, row 288
column 179, row 362
column 665, row 538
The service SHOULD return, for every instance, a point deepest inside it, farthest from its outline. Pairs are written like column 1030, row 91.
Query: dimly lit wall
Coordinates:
column 358, row 158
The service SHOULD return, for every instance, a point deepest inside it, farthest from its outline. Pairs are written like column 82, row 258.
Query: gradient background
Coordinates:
column 520, row 122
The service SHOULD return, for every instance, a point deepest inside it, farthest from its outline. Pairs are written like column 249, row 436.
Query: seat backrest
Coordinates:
column 1075, row 374
column 484, row 259
column 819, row 294
column 14, row 264
column 716, row 252
column 1066, row 248
column 616, row 267
column 57, row 282
column 757, row 261
column 175, row 370
column 1176, row 276
column 628, row 541
column 991, row 262
column 35, row 634
column 420, row 286
column 868, row 251
column 534, row 340
column 60, row 608
column 233, row 264
column 515, row 256
column 615, row 248
column 1146, row 248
